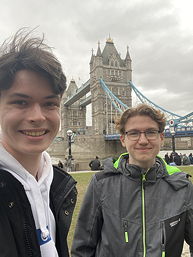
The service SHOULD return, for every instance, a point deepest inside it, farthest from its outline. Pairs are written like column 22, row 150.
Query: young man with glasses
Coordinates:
column 138, row 206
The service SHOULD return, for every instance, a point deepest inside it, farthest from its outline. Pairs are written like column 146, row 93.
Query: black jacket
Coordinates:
column 95, row 164
column 17, row 227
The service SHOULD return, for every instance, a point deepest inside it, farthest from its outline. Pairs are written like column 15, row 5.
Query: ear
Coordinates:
column 122, row 139
column 162, row 136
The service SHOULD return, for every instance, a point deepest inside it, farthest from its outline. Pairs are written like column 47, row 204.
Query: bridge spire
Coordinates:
column 127, row 54
column 92, row 56
column 98, row 50
column 109, row 40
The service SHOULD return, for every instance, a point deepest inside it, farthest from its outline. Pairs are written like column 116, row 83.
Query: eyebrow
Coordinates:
column 27, row 96
column 131, row 130
column 52, row 96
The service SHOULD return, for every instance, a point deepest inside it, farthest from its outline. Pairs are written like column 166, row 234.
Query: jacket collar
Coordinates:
column 136, row 172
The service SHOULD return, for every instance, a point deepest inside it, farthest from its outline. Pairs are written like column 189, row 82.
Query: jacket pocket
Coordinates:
column 174, row 228
column 125, row 228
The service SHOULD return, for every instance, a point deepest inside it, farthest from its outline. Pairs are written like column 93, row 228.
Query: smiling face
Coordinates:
column 142, row 152
column 29, row 115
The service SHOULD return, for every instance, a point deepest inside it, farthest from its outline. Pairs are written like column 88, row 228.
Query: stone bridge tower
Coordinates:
column 116, row 73
column 73, row 117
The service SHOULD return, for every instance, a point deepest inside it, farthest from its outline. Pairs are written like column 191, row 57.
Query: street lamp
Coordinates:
column 173, row 132
column 69, row 135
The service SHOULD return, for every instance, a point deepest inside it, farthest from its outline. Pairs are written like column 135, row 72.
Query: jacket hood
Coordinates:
column 171, row 174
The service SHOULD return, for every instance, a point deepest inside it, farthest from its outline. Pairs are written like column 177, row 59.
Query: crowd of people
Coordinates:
column 178, row 159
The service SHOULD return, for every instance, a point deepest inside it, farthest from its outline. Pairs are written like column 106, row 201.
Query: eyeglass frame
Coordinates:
column 143, row 132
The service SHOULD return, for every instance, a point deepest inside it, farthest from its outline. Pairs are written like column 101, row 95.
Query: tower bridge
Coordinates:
column 109, row 90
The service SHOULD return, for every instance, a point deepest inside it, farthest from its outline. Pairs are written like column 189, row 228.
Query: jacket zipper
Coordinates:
column 143, row 215
column 125, row 226
column 163, row 239
column 27, row 242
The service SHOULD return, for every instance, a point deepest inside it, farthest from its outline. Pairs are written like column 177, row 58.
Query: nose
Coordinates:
column 36, row 113
column 143, row 139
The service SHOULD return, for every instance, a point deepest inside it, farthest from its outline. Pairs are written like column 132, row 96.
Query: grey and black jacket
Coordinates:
column 130, row 212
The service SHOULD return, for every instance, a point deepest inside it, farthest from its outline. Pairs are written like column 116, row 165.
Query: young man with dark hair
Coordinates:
column 36, row 199
column 139, row 206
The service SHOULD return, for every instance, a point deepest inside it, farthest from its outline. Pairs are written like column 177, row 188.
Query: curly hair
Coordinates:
column 24, row 52
column 141, row 110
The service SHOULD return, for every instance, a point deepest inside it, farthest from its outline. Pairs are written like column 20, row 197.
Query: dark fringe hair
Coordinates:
column 25, row 52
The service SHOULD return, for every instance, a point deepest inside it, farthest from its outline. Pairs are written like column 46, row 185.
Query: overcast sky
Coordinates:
column 158, row 32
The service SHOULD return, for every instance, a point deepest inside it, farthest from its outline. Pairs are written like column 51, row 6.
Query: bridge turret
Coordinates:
column 72, row 88
column 128, row 65
column 92, row 57
column 96, row 63
column 99, row 50
column 73, row 115
column 99, row 62
column 127, row 58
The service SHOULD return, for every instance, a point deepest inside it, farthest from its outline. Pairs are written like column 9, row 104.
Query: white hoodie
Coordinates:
column 38, row 196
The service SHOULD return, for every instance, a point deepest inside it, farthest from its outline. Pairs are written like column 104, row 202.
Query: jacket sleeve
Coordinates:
column 88, row 229
column 189, row 222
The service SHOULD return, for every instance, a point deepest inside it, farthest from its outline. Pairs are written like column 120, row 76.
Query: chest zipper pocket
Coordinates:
column 125, row 226
column 163, row 238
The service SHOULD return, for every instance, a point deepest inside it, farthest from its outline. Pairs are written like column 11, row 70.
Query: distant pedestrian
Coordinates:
column 95, row 164
column 191, row 158
column 172, row 162
column 181, row 156
column 167, row 158
column 186, row 160
column 177, row 159
column 171, row 158
column 60, row 164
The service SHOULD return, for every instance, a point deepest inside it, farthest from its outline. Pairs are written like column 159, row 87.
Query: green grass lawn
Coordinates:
column 82, row 183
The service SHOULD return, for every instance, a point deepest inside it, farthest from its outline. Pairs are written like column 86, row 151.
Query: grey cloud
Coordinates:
column 162, row 54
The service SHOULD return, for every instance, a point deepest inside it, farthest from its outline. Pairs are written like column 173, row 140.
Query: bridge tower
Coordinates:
column 116, row 72
column 73, row 117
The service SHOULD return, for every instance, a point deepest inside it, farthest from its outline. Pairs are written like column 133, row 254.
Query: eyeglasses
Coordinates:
column 134, row 135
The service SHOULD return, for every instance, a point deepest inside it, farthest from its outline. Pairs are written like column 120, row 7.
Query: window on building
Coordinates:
column 74, row 122
column 75, row 113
